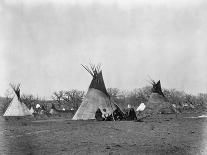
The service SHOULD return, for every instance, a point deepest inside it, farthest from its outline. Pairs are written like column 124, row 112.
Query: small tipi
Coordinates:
column 16, row 107
column 96, row 97
column 53, row 110
column 157, row 102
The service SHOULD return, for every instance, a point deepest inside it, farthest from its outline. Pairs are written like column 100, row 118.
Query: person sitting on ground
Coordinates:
column 98, row 115
column 132, row 114
column 118, row 114
column 105, row 115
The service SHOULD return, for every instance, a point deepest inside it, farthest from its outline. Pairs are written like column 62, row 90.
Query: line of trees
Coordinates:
column 73, row 98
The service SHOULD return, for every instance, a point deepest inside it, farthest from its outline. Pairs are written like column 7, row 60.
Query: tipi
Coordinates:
column 157, row 102
column 96, row 97
column 53, row 110
column 16, row 107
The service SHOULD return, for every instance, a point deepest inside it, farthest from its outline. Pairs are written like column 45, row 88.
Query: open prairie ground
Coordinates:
column 160, row 135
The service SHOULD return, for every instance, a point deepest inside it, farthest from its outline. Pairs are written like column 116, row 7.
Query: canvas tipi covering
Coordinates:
column 96, row 97
column 16, row 107
column 157, row 102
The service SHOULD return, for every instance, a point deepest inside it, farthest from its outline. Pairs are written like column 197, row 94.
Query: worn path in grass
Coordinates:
column 160, row 135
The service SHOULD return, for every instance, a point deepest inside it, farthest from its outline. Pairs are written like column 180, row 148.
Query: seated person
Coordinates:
column 131, row 114
column 105, row 115
column 118, row 115
column 98, row 115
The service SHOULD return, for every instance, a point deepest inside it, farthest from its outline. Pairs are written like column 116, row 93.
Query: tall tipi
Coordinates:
column 96, row 97
column 16, row 107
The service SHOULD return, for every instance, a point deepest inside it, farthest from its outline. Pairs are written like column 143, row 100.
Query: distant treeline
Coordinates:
column 73, row 98
column 141, row 95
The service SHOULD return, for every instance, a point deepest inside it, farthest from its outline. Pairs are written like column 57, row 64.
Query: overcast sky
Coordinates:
column 43, row 44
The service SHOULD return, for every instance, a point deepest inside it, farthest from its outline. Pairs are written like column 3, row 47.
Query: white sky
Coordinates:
column 42, row 44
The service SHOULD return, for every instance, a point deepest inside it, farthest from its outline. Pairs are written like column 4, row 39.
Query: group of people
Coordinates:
column 101, row 116
column 130, row 114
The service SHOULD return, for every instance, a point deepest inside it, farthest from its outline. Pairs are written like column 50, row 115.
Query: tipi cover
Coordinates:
column 96, row 97
column 157, row 102
column 16, row 107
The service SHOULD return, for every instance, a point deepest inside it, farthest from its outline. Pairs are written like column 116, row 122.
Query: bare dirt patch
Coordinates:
column 166, row 134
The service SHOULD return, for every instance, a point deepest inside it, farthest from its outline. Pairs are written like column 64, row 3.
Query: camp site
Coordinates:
column 103, row 77
column 148, row 120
